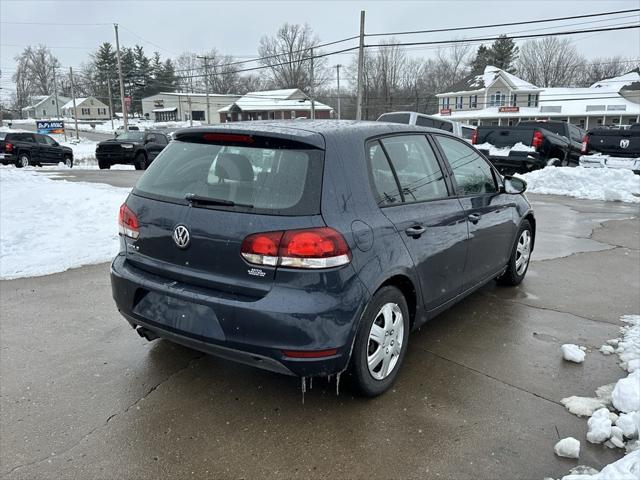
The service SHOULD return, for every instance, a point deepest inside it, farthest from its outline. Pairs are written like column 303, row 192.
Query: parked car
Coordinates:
column 24, row 149
column 133, row 148
column 530, row 145
column 612, row 148
column 421, row 120
column 314, row 248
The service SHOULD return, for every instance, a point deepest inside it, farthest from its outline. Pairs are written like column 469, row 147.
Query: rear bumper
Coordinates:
column 607, row 161
column 251, row 332
column 7, row 158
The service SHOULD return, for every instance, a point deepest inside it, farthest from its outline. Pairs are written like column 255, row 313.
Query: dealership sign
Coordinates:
column 445, row 111
column 509, row 109
column 50, row 126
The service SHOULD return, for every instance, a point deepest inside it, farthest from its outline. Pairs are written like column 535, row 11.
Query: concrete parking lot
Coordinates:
column 82, row 396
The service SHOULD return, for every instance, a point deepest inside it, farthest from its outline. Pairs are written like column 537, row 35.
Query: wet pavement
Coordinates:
column 82, row 396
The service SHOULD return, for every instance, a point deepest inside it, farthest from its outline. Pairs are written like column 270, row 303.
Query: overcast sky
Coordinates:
column 235, row 27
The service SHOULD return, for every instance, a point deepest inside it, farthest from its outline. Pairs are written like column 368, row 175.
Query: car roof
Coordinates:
column 313, row 132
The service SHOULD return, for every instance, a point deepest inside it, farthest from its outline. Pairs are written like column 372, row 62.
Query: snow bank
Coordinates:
column 616, row 431
column 84, row 151
column 504, row 151
column 572, row 353
column 589, row 183
column 48, row 226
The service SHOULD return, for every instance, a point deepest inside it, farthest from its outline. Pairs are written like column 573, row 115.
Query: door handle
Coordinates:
column 474, row 218
column 415, row 231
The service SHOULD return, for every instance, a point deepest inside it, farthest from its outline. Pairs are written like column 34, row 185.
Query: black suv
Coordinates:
column 131, row 147
column 311, row 248
column 24, row 149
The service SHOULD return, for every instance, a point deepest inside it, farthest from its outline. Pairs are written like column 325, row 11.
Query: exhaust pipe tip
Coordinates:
column 146, row 333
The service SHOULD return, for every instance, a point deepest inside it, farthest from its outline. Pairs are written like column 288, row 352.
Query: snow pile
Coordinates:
column 48, row 226
column 615, row 430
column 494, row 151
column 567, row 447
column 84, row 151
column 573, row 353
column 589, row 183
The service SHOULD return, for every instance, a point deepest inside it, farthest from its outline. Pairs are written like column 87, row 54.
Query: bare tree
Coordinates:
column 223, row 75
column 607, row 67
column 34, row 73
column 550, row 62
column 287, row 54
column 188, row 67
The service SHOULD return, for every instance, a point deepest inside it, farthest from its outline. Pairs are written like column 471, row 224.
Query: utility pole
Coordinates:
column 313, row 102
column 55, row 93
column 338, row 78
column 125, row 118
column 360, row 68
column 206, row 86
column 191, row 110
column 73, row 96
column 110, row 103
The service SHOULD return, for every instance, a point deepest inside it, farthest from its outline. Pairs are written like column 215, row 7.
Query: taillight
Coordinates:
column 474, row 137
column 128, row 222
column 307, row 248
column 585, row 144
column 537, row 139
column 8, row 147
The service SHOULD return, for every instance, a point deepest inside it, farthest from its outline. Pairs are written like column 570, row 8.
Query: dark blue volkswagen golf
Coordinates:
column 313, row 248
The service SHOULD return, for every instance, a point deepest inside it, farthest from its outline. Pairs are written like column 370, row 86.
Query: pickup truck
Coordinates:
column 612, row 148
column 530, row 145
column 421, row 120
column 23, row 149
column 131, row 147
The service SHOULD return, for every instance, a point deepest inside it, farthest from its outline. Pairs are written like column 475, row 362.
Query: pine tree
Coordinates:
column 504, row 53
column 482, row 59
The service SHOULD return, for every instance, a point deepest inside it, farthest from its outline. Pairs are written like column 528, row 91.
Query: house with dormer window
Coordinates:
column 498, row 97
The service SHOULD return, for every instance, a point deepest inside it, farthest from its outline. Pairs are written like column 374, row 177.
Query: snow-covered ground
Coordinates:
column 588, row 183
column 48, row 226
column 614, row 414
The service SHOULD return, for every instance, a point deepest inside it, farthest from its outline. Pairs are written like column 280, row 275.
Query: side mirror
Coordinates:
column 514, row 185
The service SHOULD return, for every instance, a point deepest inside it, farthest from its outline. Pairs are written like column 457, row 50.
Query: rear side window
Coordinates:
column 472, row 173
column 416, row 167
column 444, row 125
column 395, row 118
column 424, row 121
column 23, row 137
column 467, row 132
column 264, row 176
column 386, row 187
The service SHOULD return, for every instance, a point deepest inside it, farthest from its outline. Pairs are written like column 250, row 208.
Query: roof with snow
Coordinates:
column 188, row 94
column 274, row 100
column 629, row 79
column 474, row 83
column 39, row 99
column 81, row 100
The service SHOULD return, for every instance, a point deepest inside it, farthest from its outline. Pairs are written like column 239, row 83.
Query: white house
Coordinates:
column 273, row 105
column 44, row 106
column 87, row 108
column 175, row 106
column 500, row 98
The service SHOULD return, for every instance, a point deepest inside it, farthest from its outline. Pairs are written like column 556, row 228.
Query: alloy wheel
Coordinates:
column 523, row 252
column 385, row 341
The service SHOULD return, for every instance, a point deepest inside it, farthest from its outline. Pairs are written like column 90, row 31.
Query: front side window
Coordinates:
column 416, row 167
column 41, row 139
column 472, row 173
column 49, row 141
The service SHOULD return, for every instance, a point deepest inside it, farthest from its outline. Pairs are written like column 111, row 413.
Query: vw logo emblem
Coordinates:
column 624, row 143
column 181, row 236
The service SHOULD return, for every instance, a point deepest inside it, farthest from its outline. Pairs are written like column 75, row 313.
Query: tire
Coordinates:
column 104, row 165
column 516, row 270
column 140, row 163
column 23, row 160
column 386, row 356
column 554, row 162
column 68, row 161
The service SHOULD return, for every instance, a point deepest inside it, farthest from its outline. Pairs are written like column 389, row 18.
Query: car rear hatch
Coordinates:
column 615, row 142
column 207, row 192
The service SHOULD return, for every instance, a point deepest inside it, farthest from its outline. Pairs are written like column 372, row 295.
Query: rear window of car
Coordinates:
column 395, row 118
column 266, row 175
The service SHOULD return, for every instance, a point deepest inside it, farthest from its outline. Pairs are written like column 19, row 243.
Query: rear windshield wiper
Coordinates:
column 194, row 199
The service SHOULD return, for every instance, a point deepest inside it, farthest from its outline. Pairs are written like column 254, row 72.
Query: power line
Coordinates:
column 527, row 22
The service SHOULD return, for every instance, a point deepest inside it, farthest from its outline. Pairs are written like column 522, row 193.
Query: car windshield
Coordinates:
column 134, row 136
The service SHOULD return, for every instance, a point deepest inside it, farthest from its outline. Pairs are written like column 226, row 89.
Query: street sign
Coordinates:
column 127, row 102
column 50, row 126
